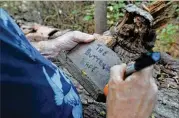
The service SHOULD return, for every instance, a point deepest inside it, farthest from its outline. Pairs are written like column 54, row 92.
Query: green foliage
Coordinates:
column 89, row 11
column 168, row 40
column 102, row 113
column 88, row 17
column 176, row 7
column 177, row 10
column 114, row 11
column 166, row 35
column 74, row 12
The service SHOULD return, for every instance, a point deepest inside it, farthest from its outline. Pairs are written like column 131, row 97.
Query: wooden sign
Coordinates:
column 90, row 64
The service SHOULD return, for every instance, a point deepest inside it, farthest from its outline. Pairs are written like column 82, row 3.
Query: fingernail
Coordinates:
column 123, row 65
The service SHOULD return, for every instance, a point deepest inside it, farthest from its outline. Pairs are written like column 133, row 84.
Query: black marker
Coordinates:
column 144, row 61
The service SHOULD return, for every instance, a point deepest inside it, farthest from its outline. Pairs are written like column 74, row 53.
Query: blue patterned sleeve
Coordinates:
column 32, row 86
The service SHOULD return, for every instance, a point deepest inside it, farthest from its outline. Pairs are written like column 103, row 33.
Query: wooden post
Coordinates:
column 100, row 16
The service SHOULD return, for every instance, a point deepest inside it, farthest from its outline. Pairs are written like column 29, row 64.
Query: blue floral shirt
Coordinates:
column 31, row 86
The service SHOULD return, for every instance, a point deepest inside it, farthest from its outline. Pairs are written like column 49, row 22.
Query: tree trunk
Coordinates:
column 100, row 16
column 162, row 12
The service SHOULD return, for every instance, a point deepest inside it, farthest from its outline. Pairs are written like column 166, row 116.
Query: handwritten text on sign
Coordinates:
column 95, row 59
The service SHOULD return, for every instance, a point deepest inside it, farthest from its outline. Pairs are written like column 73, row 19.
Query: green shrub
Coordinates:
column 168, row 40
column 166, row 35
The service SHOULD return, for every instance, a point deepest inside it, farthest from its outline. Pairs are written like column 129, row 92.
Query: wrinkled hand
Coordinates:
column 51, row 48
column 133, row 97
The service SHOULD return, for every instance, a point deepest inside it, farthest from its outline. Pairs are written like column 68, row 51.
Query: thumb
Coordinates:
column 117, row 72
column 142, row 75
column 147, row 71
column 82, row 37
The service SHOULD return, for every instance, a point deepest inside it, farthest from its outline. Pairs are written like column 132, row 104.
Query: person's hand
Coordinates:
column 133, row 97
column 51, row 48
